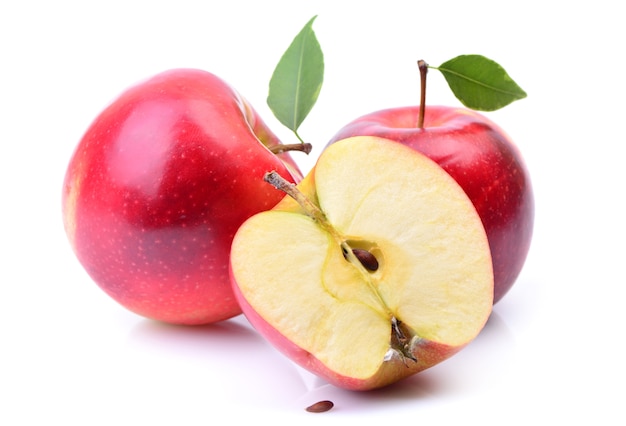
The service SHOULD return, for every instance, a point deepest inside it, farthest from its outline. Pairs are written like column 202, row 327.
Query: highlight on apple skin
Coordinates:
column 302, row 280
column 483, row 159
column 157, row 187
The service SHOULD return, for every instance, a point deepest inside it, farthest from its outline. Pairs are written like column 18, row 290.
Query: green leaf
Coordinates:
column 480, row 83
column 297, row 80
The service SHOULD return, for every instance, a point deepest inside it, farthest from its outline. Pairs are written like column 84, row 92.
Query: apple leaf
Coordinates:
column 297, row 79
column 480, row 83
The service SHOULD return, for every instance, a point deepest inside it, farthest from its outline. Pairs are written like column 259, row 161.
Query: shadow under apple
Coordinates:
column 228, row 360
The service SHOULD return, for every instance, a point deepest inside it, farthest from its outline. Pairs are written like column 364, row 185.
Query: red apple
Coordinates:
column 157, row 187
column 482, row 159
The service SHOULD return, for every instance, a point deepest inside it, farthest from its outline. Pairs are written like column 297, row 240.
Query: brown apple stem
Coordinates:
column 280, row 148
column 282, row 184
column 423, row 67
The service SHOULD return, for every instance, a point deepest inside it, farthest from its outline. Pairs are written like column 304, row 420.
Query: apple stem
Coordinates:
column 280, row 148
column 282, row 184
column 423, row 67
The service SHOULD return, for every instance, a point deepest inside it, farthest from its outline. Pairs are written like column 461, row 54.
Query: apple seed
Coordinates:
column 320, row 407
column 367, row 259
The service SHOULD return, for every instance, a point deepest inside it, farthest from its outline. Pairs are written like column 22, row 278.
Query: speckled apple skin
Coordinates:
column 157, row 188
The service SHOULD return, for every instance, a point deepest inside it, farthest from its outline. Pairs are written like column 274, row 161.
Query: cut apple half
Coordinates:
column 375, row 267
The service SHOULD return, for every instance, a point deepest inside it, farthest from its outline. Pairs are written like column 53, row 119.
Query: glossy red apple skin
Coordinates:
column 483, row 160
column 157, row 187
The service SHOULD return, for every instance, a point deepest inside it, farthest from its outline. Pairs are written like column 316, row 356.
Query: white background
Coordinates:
column 552, row 350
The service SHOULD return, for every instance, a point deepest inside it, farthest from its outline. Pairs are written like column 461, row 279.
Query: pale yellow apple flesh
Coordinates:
column 434, row 274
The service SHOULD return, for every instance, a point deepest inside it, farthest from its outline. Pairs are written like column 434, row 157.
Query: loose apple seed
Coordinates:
column 320, row 407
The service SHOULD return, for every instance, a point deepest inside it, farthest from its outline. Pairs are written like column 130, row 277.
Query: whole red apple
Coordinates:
column 482, row 159
column 157, row 187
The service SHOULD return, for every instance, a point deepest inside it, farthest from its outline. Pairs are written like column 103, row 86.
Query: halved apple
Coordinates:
column 375, row 267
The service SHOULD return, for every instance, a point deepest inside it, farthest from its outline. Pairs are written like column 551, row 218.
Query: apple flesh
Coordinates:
column 157, row 187
column 482, row 158
column 305, row 278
